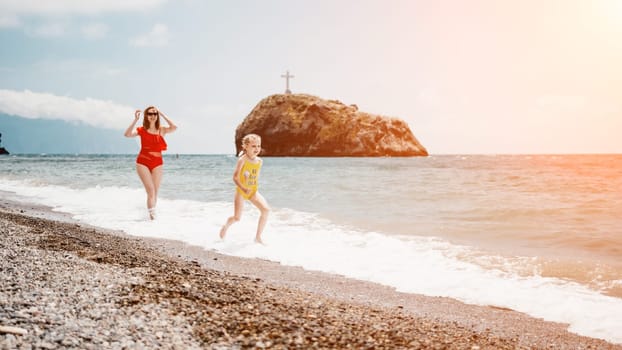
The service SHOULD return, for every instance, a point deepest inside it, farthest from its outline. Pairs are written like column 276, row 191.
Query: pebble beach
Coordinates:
column 65, row 285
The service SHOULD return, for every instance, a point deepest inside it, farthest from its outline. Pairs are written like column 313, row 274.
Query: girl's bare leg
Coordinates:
column 238, row 204
column 260, row 202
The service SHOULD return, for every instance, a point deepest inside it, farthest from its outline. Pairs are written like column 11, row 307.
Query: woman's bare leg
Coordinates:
column 145, row 176
column 156, row 175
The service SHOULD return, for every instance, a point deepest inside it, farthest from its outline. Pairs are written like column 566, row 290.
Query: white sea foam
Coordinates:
column 412, row 264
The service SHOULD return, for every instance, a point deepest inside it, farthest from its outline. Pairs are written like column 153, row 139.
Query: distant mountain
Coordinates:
column 22, row 135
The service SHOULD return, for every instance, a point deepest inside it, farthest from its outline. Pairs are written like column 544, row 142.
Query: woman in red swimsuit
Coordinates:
column 149, row 160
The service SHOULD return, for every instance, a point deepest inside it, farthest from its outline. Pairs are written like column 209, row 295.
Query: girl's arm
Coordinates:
column 236, row 175
column 130, row 132
column 171, row 126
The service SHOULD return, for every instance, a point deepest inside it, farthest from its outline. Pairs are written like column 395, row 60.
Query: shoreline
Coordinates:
column 222, row 301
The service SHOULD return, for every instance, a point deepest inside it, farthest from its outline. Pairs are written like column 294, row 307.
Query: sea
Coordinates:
column 540, row 234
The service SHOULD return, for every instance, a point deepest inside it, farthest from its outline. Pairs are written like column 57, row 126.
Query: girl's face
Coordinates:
column 253, row 148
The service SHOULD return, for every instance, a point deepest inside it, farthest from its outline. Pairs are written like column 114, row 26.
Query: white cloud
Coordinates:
column 86, row 69
column 9, row 21
column 68, row 7
column 49, row 30
column 12, row 11
column 95, row 31
column 34, row 105
column 157, row 37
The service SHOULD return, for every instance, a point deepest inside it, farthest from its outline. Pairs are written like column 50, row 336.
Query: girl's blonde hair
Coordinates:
column 247, row 139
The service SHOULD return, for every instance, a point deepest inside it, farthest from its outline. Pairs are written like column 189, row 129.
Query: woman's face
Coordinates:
column 152, row 115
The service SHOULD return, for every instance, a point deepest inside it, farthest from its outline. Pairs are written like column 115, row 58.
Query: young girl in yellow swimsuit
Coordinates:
column 245, row 178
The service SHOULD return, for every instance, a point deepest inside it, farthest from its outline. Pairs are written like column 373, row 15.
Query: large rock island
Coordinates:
column 302, row 125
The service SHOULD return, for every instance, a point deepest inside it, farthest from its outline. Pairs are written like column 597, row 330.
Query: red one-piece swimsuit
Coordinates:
column 151, row 147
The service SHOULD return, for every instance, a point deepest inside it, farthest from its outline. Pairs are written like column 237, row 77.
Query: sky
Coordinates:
column 469, row 77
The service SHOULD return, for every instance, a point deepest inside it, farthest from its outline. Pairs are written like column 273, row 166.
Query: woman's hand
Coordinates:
column 171, row 126
column 130, row 132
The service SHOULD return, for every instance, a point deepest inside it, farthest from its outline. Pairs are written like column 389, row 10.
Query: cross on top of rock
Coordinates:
column 287, row 76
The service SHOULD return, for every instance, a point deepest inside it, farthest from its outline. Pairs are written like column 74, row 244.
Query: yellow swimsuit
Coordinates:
column 248, row 178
